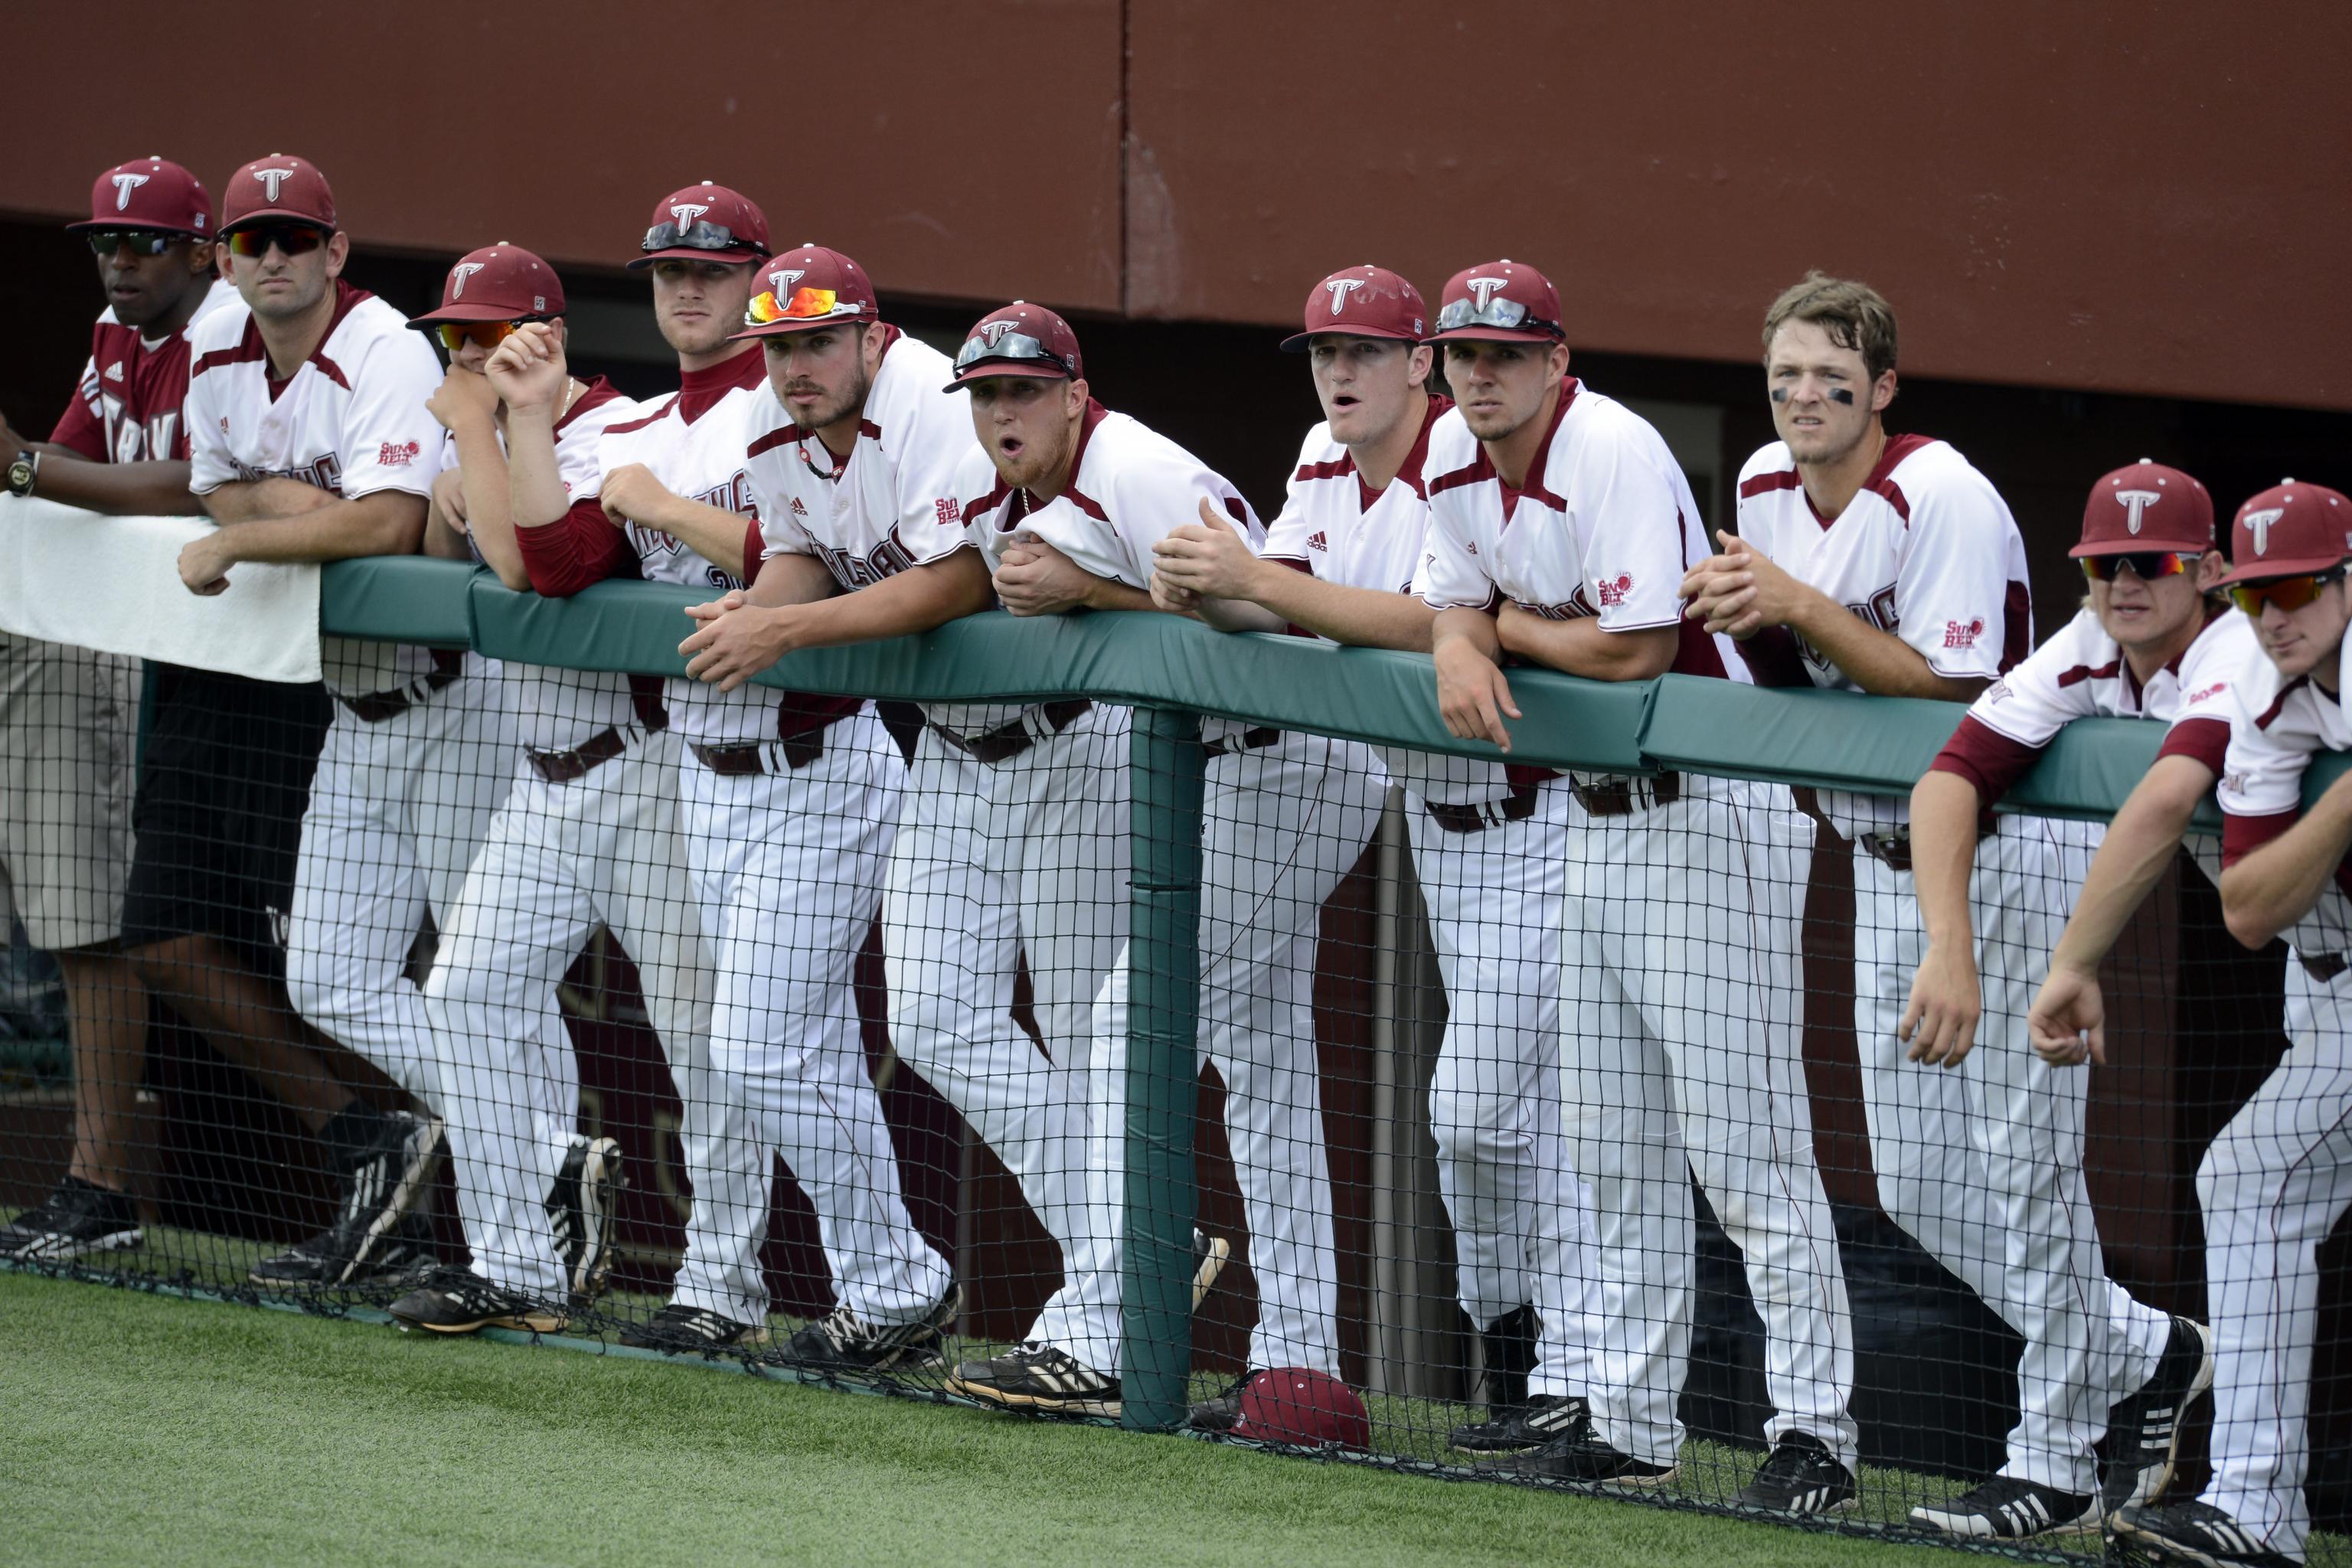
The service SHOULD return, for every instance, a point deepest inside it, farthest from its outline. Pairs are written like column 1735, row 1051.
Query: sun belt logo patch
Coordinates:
column 1963, row 634
column 396, row 454
column 1614, row 591
column 123, row 185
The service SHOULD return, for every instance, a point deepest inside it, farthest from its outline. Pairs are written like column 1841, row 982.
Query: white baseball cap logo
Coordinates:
column 457, row 276
column 123, row 185
column 2134, row 503
column 993, row 332
column 270, row 180
column 1341, row 289
column 686, row 213
column 783, row 278
column 2259, row 524
column 1484, row 288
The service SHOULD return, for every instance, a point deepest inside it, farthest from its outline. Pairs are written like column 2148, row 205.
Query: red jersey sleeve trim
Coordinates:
column 578, row 550
column 2207, row 740
column 2241, row 835
column 1985, row 758
column 755, row 548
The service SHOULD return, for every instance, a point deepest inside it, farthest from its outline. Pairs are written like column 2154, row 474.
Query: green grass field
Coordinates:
column 144, row 1429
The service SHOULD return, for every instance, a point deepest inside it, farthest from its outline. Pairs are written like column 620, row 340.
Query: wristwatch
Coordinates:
column 24, row 472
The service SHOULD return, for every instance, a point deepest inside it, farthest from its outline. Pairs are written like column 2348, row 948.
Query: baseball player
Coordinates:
column 1489, row 841
column 1886, row 563
column 587, row 835
column 1017, row 843
column 2149, row 636
column 1068, row 500
column 311, row 442
column 1560, row 524
column 70, row 713
column 2274, row 1182
column 787, row 805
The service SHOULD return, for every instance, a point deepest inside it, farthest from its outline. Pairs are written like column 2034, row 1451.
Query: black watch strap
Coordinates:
column 24, row 472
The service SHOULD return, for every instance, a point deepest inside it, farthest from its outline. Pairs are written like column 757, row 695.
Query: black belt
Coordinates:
column 738, row 761
column 562, row 767
column 1516, row 807
column 1892, row 850
column 376, row 707
column 2323, row 967
column 1008, row 741
column 1624, row 796
column 1254, row 740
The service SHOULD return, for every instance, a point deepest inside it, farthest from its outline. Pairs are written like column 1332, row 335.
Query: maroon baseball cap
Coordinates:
column 499, row 283
column 2146, row 506
column 149, row 192
column 704, row 223
column 2288, row 530
column 809, row 287
column 277, row 186
column 1305, row 1409
column 1502, row 303
column 1020, row 340
column 1362, row 302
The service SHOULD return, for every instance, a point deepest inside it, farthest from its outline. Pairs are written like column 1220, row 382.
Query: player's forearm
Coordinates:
column 1474, row 630
column 1107, row 593
column 1879, row 662
column 903, row 604
column 489, row 516
column 2277, row 884
column 389, row 522
column 120, row 490
column 790, row 580
column 2139, row 844
column 242, row 501
column 535, row 495
column 1581, row 647
column 1361, row 617
column 1944, row 810
column 443, row 542
column 714, row 533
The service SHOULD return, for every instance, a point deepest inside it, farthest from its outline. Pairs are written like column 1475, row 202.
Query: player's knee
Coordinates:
column 1470, row 1125
column 313, row 986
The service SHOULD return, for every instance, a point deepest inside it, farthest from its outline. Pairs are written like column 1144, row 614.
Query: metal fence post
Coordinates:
column 1162, row 1067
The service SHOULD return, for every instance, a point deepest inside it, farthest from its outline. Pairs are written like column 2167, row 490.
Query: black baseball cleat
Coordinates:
column 2144, row 1431
column 460, row 1301
column 682, row 1330
column 1038, row 1378
column 842, row 1342
column 2197, row 1532
column 1221, row 1412
column 75, row 1220
column 401, row 1255
column 580, row 1210
column 2008, row 1508
column 382, row 1175
column 1507, row 1350
column 1542, row 1419
column 1580, row 1455
column 1800, row 1475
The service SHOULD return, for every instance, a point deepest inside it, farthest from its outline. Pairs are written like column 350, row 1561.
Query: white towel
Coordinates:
column 113, row 583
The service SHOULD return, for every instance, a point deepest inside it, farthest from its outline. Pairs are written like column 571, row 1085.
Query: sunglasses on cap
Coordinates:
column 2147, row 565
column 141, row 241
column 805, row 305
column 453, row 335
column 2289, row 593
column 1497, row 311
column 1010, row 346
column 696, row 236
column 293, row 238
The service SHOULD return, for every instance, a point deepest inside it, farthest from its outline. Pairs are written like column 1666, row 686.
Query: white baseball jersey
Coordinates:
column 350, row 420
column 1605, row 527
column 2276, row 726
column 1334, row 526
column 694, row 442
column 1926, row 550
column 557, row 710
column 2081, row 673
column 128, row 407
column 892, row 503
column 1129, row 488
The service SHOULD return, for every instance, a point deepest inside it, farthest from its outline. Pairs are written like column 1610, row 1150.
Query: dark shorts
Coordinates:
column 224, row 780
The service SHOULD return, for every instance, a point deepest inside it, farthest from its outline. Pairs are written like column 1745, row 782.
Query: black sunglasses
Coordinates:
column 141, row 241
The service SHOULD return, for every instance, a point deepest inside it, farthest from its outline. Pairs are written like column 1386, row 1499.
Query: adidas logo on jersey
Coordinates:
column 1316, row 542
column 798, row 510
column 114, row 371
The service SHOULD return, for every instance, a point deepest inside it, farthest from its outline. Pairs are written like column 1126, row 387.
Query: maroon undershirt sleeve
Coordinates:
column 577, row 550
